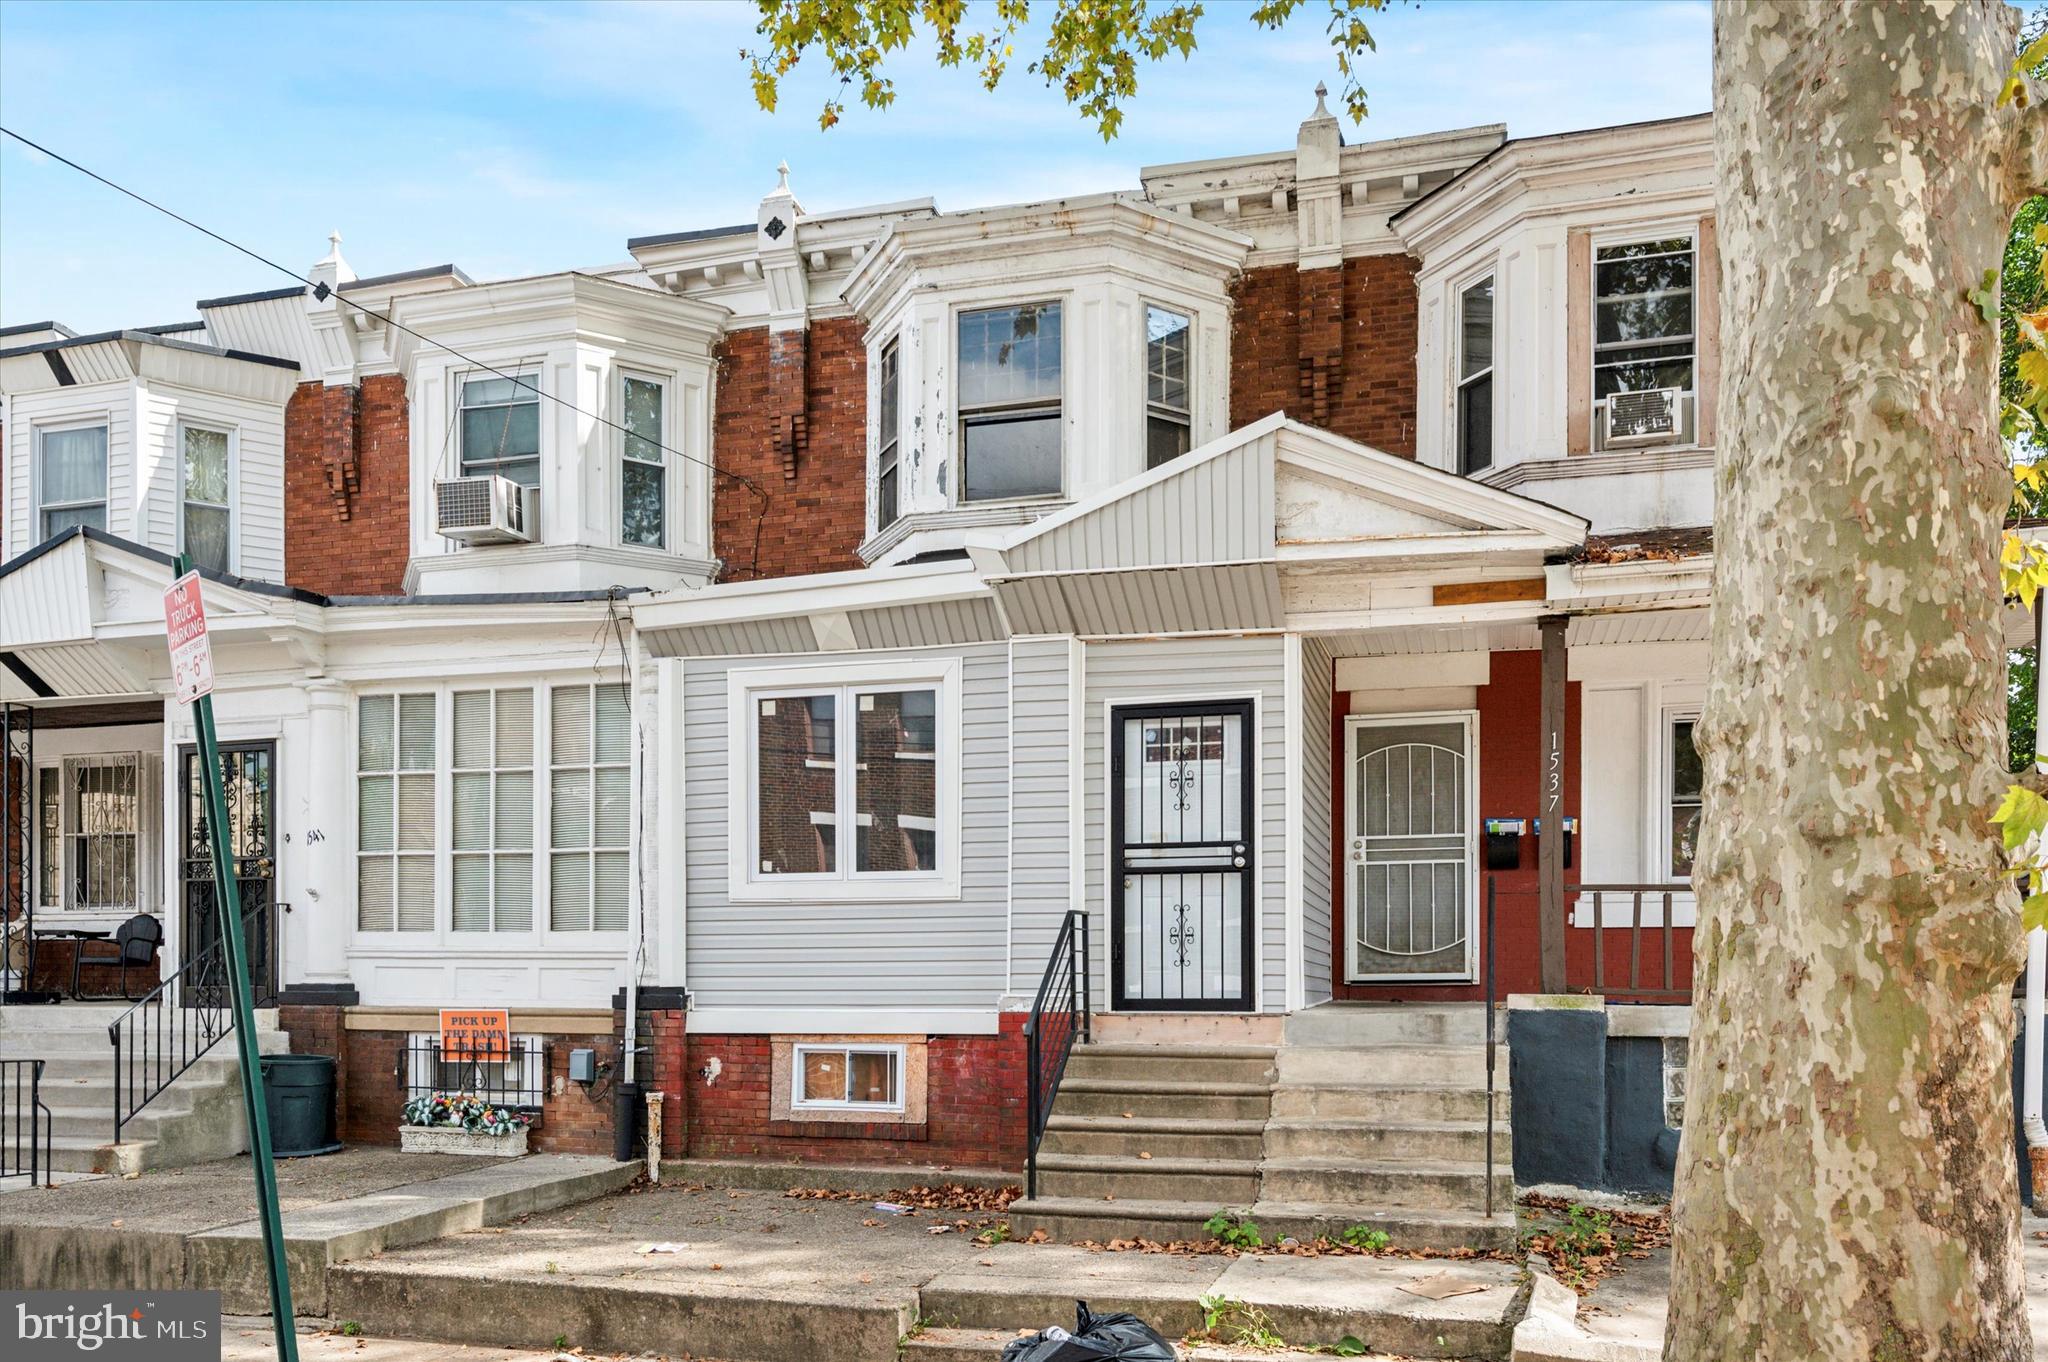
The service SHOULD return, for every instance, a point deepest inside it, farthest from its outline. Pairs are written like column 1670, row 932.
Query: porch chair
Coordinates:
column 135, row 943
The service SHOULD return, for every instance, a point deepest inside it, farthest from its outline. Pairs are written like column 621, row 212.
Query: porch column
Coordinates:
column 319, row 928
column 1550, row 801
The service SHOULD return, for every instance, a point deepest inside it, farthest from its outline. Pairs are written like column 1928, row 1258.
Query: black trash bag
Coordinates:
column 1096, row 1338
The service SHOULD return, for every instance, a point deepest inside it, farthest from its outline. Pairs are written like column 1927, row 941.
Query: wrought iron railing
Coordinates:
column 1059, row 1016
column 25, row 1125
column 510, row 1075
column 17, row 841
column 175, row 1024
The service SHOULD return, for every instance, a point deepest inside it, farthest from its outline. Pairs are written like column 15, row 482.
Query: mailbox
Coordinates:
column 1504, row 843
column 1571, row 830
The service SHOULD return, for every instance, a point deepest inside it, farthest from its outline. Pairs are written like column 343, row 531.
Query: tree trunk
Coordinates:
column 1845, row 1184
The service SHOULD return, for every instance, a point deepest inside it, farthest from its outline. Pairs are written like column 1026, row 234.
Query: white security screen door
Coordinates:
column 1182, row 859
column 1409, row 865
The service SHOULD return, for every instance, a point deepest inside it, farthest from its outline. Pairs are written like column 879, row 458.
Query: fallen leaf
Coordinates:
column 1144, row 1154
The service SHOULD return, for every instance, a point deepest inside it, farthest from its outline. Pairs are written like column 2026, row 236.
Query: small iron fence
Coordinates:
column 510, row 1075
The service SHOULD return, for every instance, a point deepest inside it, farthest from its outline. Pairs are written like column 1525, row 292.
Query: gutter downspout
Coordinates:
column 2037, row 967
column 635, row 946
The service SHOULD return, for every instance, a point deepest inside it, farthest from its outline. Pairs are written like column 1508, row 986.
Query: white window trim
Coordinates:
column 525, row 372
column 233, row 508
column 1186, row 413
column 894, row 341
column 1636, row 236
column 1664, row 703
column 797, row 1101
column 542, row 935
column 669, row 473
column 1459, row 379
column 957, row 479
column 1668, row 721
column 743, row 880
column 103, row 421
column 537, row 880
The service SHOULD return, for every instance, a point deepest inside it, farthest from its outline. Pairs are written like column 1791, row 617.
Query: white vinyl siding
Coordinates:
column 807, row 951
column 1166, row 671
column 1042, row 803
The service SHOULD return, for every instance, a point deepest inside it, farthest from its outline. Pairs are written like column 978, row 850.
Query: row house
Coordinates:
column 821, row 665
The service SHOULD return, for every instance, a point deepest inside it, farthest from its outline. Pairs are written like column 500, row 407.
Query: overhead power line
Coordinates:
column 323, row 292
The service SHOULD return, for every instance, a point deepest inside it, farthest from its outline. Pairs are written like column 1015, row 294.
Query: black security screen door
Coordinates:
column 251, row 789
column 1182, row 896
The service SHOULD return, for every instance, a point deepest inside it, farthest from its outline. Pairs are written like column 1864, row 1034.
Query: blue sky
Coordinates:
column 520, row 138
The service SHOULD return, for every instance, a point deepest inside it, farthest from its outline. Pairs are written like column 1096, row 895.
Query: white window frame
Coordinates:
column 1460, row 380
column 437, row 854
column 899, row 1053
column 545, row 694
column 234, row 435
column 489, row 855
column 63, row 772
column 957, row 478
column 888, row 442
column 102, row 422
column 665, row 383
column 1185, row 415
column 461, row 379
column 745, row 687
column 1666, row 767
column 1637, row 236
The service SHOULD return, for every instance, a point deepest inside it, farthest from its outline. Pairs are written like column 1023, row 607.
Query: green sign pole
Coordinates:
column 228, row 905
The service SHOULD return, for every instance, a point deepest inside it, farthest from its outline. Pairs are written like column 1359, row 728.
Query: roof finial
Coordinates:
column 1322, row 109
column 334, row 238
column 782, row 177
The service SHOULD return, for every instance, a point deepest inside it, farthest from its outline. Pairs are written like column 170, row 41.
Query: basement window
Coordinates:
column 1010, row 410
column 841, row 1077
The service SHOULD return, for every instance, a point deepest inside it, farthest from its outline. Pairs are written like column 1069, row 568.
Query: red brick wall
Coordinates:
column 974, row 1107
column 791, row 416
column 1333, row 348
column 347, row 491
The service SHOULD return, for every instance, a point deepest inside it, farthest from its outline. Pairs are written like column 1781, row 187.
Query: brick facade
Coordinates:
column 1333, row 348
column 347, row 488
column 791, row 416
column 975, row 1106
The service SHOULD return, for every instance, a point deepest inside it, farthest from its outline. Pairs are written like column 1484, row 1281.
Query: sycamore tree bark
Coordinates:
column 1845, row 1184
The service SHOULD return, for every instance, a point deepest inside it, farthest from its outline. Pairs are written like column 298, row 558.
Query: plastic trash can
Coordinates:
column 298, row 1096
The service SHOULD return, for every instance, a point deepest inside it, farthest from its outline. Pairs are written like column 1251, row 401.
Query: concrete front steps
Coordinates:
column 198, row 1118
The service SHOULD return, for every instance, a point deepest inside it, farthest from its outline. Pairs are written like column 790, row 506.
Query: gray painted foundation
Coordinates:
column 1591, row 1107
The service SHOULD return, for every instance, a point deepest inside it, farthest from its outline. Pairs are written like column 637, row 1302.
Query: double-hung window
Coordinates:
column 1169, row 426
column 1010, row 402
column 590, row 737
column 71, row 478
column 1682, row 794
column 205, row 517
column 493, row 810
column 845, row 787
column 89, row 834
column 395, row 843
column 643, row 470
column 500, row 426
column 1475, row 376
column 888, row 438
column 1643, row 317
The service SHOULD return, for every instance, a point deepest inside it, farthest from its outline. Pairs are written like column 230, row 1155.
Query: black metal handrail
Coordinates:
column 1492, row 1025
column 25, row 1124
column 175, row 1024
column 1058, row 1015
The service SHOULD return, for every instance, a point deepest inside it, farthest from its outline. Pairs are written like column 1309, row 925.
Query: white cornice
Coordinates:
column 564, row 306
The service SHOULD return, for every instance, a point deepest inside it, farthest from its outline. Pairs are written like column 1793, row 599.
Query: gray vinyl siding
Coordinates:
column 1318, row 771
column 1042, row 802
column 1168, row 669
column 920, row 953
column 1219, row 510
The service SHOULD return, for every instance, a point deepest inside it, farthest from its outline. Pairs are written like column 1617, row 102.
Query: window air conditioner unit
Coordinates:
column 1642, row 418
column 488, row 510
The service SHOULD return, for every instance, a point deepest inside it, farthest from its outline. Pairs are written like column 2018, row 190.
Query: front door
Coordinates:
column 1182, row 857
column 249, row 782
column 1410, row 867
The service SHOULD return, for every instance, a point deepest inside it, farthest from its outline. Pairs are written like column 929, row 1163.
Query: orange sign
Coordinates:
column 475, row 1033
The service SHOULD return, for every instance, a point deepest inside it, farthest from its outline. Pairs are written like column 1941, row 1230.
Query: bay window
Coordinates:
column 205, row 517
column 71, row 478
column 643, row 468
column 395, row 761
column 1010, row 402
column 493, row 810
column 845, row 788
column 499, row 426
column 1475, row 376
column 1169, row 425
column 590, row 796
column 1643, row 316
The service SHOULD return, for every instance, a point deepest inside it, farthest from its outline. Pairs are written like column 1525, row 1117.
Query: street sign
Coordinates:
column 191, row 651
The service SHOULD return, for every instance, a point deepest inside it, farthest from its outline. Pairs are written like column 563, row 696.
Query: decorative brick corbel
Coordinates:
column 793, row 441
column 342, row 433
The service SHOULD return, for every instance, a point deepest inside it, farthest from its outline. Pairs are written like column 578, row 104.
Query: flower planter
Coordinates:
column 455, row 1140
